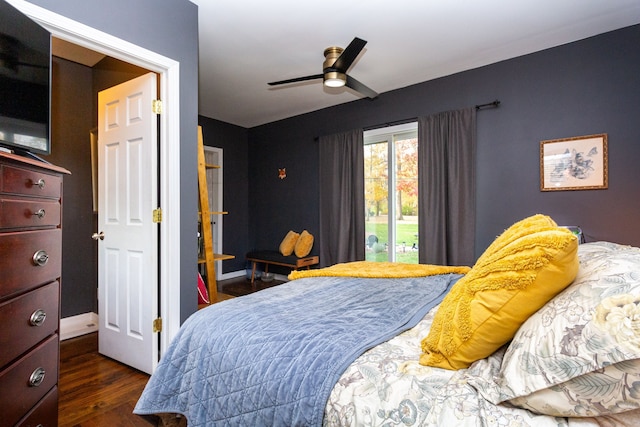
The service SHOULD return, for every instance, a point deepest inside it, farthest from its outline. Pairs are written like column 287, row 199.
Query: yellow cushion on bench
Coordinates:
column 288, row 244
column 304, row 244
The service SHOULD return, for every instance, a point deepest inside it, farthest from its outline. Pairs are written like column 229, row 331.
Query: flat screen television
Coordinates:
column 25, row 83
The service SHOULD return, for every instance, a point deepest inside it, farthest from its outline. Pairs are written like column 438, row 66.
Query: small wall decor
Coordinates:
column 282, row 173
column 578, row 163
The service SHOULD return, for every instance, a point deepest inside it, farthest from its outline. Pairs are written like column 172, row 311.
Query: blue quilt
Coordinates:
column 272, row 358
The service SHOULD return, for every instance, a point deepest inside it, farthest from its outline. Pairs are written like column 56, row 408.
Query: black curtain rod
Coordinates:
column 493, row 104
column 386, row 125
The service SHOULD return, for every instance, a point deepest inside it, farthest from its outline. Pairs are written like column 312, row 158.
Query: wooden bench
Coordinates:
column 276, row 258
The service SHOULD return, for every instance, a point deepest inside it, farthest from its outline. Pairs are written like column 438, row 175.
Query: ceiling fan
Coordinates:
column 334, row 69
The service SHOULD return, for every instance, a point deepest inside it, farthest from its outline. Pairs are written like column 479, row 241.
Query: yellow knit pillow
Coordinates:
column 524, row 268
column 519, row 229
column 304, row 244
column 289, row 243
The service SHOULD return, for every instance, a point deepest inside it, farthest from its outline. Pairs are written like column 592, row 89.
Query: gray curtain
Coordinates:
column 341, row 198
column 446, row 179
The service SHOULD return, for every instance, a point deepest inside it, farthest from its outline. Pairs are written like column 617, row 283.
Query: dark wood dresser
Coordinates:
column 30, row 270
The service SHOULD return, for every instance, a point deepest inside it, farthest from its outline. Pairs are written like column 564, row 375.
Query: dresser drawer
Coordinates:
column 25, row 213
column 27, row 320
column 25, row 382
column 21, row 255
column 17, row 180
column 45, row 413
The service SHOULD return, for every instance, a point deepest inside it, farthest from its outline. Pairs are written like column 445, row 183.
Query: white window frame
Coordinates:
column 386, row 134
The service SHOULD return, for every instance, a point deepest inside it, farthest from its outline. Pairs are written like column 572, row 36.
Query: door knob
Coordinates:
column 96, row 236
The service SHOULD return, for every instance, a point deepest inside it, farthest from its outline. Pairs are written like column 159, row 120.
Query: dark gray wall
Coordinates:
column 169, row 28
column 72, row 117
column 235, row 177
column 591, row 86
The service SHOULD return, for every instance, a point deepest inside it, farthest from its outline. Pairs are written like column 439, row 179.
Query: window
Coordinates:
column 391, row 193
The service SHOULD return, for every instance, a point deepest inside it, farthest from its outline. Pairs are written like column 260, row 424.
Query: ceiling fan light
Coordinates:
column 335, row 79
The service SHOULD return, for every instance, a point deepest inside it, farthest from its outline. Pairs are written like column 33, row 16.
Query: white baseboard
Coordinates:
column 81, row 324
column 240, row 273
column 232, row 274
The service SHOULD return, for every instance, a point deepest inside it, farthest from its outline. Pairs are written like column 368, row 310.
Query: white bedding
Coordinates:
column 386, row 386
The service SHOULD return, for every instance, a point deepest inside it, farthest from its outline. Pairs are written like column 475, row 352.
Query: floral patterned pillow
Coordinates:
column 579, row 355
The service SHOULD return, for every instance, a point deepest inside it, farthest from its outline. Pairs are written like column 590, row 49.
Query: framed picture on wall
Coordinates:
column 578, row 163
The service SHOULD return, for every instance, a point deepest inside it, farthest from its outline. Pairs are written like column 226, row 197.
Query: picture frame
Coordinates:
column 578, row 163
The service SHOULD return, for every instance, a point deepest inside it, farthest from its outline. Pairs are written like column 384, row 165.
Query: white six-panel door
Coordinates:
column 127, row 252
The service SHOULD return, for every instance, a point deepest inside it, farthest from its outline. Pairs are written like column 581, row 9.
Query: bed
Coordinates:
column 352, row 345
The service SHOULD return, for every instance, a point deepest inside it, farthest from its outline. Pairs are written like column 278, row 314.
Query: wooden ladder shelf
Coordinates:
column 208, row 257
column 205, row 223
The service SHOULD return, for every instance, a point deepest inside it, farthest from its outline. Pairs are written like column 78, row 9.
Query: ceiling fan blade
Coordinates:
column 359, row 87
column 349, row 55
column 297, row 79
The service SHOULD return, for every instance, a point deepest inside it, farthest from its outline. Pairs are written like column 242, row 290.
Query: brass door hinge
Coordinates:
column 157, row 325
column 156, row 106
column 157, row 215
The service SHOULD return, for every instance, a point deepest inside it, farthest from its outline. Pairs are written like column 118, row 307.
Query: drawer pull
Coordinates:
column 38, row 317
column 40, row 213
column 40, row 258
column 37, row 377
column 39, row 183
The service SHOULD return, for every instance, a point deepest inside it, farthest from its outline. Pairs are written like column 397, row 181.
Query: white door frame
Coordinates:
column 215, row 188
column 169, row 161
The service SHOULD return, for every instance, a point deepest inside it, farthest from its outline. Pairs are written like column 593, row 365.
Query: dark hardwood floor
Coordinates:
column 242, row 286
column 98, row 391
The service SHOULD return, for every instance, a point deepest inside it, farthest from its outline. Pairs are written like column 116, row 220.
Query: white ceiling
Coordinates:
column 246, row 43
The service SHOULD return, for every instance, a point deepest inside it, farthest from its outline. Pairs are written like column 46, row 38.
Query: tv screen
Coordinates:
column 25, row 76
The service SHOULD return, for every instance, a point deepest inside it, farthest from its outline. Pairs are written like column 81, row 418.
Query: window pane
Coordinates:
column 406, row 199
column 376, row 200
